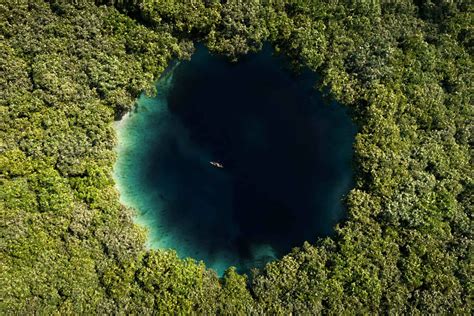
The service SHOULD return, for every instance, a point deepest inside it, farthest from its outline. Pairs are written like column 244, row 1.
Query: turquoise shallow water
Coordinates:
column 286, row 157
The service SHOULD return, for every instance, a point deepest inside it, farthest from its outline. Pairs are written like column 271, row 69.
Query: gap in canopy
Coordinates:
column 235, row 163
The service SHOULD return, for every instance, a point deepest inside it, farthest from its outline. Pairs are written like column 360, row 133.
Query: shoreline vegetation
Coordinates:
column 123, row 142
column 403, row 68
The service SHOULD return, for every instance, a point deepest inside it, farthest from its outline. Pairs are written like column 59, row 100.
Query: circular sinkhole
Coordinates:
column 235, row 163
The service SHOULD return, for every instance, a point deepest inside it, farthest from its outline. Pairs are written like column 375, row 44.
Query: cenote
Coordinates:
column 286, row 158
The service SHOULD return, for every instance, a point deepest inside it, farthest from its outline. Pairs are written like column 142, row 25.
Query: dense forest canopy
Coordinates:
column 70, row 68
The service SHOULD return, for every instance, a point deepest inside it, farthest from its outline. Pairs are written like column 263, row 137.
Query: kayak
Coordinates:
column 216, row 164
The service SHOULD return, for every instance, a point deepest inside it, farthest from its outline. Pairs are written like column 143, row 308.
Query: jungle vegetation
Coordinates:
column 70, row 68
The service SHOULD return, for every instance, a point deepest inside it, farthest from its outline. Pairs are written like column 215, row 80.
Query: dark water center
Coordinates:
column 286, row 158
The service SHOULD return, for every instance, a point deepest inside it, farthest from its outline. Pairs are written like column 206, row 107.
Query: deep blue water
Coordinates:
column 286, row 157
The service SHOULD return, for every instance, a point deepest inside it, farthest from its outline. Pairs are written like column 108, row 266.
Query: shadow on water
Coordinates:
column 286, row 157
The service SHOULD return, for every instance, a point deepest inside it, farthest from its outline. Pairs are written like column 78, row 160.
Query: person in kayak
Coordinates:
column 216, row 164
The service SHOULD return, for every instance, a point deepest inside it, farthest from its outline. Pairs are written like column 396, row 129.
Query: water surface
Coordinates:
column 286, row 157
